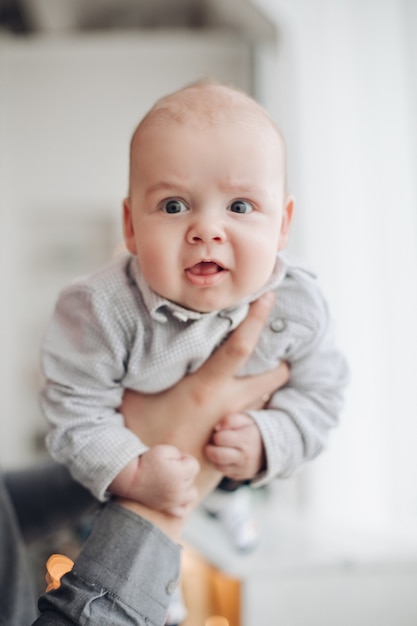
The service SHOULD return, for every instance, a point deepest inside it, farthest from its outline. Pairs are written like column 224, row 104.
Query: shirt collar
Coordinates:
column 159, row 308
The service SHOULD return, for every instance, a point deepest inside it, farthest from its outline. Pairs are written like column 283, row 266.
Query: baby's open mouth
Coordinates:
column 205, row 268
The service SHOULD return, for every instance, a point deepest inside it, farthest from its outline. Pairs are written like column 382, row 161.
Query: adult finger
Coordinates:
column 256, row 390
column 233, row 354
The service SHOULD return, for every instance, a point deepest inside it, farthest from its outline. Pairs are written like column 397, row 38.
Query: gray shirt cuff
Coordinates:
column 133, row 560
column 125, row 574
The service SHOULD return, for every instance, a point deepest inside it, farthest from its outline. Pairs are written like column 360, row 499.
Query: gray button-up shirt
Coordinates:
column 110, row 331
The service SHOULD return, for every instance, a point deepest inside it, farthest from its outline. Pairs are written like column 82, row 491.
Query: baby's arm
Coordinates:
column 84, row 360
column 161, row 479
column 296, row 424
column 262, row 444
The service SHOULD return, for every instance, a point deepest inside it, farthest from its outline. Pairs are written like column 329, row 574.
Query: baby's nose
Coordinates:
column 206, row 230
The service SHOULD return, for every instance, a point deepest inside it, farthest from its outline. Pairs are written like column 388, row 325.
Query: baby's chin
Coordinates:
column 208, row 305
column 213, row 300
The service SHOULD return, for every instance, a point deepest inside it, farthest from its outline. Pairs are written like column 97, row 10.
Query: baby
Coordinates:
column 206, row 220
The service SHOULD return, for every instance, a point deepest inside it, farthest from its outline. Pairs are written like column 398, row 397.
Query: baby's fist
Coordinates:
column 236, row 448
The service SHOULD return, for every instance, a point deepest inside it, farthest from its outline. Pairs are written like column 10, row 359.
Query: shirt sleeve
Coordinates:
column 84, row 359
column 125, row 575
column 296, row 424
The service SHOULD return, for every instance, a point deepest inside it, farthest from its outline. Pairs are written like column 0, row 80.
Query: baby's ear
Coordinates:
column 286, row 222
column 128, row 228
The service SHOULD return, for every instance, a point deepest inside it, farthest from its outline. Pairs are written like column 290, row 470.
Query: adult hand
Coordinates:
column 185, row 415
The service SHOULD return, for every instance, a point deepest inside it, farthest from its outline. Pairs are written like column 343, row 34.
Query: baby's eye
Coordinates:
column 174, row 206
column 241, row 206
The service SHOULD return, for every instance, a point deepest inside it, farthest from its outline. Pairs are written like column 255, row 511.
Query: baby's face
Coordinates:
column 207, row 211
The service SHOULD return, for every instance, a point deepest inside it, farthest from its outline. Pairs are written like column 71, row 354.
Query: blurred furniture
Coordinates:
column 305, row 573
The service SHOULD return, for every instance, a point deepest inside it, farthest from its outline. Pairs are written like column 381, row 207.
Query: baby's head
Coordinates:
column 208, row 208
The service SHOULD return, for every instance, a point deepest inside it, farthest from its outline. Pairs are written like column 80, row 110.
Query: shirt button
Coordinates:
column 278, row 325
column 171, row 586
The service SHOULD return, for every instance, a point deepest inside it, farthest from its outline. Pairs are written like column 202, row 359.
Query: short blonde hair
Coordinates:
column 207, row 102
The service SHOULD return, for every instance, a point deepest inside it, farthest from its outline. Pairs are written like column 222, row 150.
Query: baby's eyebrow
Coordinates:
column 166, row 185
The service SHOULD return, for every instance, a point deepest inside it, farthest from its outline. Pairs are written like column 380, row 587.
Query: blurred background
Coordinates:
column 340, row 79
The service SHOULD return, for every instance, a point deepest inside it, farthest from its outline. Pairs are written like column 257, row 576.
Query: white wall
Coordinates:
column 349, row 71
